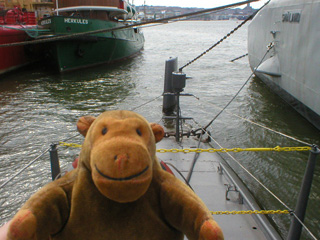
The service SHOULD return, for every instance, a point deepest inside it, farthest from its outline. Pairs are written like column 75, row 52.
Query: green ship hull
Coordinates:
column 88, row 50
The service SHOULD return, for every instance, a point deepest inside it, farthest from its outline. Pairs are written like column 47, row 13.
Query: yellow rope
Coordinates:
column 250, row 212
column 213, row 150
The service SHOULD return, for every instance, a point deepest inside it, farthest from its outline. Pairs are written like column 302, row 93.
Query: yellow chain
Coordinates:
column 213, row 150
column 250, row 212
column 73, row 145
column 224, row 150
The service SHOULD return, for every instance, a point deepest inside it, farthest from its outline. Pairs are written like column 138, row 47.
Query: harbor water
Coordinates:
column 38, row 107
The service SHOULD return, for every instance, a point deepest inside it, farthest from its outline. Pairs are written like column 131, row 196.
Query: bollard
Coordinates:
column 54, row 159
column 169, row 101
column 301, row 207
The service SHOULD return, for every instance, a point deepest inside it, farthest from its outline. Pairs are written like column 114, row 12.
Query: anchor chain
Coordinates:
column 222, row 39
column 242, row 56
column 216, row 44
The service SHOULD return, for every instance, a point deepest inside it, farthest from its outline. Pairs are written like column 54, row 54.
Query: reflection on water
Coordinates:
column 38, row 107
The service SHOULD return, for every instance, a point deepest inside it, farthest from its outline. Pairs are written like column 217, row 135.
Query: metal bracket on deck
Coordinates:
column 232, row 188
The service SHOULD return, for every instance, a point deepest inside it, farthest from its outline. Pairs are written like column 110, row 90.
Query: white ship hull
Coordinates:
column 292, row 67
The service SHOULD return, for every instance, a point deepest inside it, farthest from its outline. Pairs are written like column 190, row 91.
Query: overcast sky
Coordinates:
column 194, row 3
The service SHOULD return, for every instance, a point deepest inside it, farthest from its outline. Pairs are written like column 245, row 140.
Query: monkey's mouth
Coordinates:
column 123, row 178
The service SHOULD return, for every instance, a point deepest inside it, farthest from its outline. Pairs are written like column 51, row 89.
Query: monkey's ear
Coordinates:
column 158, row 131
column 84, row 124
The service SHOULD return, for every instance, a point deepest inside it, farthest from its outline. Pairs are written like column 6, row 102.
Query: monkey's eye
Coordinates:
column 139, row 132
column 104, row 131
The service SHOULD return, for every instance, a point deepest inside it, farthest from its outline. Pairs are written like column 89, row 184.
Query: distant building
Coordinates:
column 158, row 12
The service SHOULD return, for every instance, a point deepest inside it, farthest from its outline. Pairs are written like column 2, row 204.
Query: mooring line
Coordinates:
column 304, row 226
column 238, row 92
column 248, row 172
column 24, row 168
column 259, row 124
column 143, row 104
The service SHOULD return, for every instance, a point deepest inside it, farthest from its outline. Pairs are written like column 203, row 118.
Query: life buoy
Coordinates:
column 165, row 167
column 75, row 163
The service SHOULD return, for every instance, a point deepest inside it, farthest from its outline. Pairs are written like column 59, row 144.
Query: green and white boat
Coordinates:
column 80, row 48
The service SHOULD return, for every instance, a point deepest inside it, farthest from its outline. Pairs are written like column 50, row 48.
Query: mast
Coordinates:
column 144, row 11
column 57, row 7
